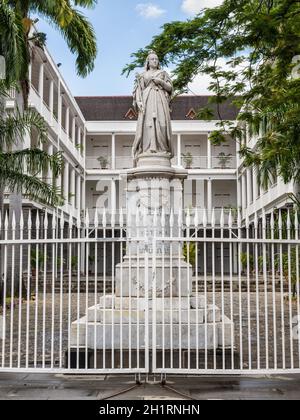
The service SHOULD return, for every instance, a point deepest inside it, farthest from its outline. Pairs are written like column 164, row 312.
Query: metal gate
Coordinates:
column 109, row 296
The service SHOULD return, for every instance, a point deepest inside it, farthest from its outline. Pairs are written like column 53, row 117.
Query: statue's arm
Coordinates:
column 138, row 95
column 165, row 83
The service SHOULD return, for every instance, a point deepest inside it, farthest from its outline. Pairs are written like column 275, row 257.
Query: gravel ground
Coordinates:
column 263, row 338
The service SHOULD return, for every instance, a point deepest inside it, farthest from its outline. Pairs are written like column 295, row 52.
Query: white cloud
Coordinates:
column 150, row 10
column 192, row 7
column 200, row 84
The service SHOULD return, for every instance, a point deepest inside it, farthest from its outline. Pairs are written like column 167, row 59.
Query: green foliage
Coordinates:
column 74, row 262
column 187, row 159
column 259, row 41
column 37, row 257
column 289, row 264
column 19, row 169
column 17, row 40
column 247, row 260
column 224, row 159
column 189, row 253
column 103, row 162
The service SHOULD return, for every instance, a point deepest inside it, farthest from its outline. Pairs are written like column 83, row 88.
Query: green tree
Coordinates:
column 17, row 42
column 19, row 169
column 17, row 18
column 259, row 40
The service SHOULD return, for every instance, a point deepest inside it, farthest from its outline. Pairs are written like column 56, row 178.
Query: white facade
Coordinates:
column 253, row 198
column 98, row 153
column 111, row 143
column 51, row 97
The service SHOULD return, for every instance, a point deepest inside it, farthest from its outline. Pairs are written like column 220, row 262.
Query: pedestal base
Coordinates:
column 186, row 323
column 173, row 277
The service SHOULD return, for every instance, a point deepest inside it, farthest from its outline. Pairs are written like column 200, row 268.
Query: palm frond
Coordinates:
column 74, row 27
column 14, row 126
column 32, row 187
column 86, row 3
column 32, row 162
column 13, row 43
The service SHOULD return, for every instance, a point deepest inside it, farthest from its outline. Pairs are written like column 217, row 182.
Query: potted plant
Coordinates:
column 224, row 159
column 103, row 162
column 187, row 159
column 71, row 195
column 74, row 264
column 80, row 147
column 36, row 257
column 245, row 259
column 189, row 253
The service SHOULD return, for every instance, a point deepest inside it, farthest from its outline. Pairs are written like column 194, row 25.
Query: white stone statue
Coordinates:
column 152, row 94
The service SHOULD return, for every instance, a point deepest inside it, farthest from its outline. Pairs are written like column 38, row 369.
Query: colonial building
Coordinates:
column 96, row 135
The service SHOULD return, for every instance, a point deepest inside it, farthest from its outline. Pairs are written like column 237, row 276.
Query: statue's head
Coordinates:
column 152, row 62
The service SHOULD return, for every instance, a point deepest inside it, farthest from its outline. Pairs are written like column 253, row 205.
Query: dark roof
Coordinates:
column 115, row 108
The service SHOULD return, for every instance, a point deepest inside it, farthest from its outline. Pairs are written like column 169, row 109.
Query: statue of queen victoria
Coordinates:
column 152, row 94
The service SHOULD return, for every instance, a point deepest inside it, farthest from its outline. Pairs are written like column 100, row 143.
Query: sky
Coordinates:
column 122, row 27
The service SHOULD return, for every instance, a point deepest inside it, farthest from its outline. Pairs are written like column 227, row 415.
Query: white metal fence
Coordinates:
column 156, row 293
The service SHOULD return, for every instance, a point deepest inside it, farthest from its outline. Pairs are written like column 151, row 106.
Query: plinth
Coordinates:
column 152, row 304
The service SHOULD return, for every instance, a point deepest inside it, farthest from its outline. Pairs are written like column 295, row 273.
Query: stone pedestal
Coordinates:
column 153, row 283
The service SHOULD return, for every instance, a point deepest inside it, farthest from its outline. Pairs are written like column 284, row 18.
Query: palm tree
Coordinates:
column 69, row 21
column 16, row 25
column 12, row 45
column 19, row 169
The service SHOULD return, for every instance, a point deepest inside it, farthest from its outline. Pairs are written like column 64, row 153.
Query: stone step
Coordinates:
column 126, row 303
column 191, row 316
column 168, row 336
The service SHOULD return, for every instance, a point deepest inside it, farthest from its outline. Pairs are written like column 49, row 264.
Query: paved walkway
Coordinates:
column 59, row 387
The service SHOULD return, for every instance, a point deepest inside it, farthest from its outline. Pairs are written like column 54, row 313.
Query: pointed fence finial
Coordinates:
column 104, row 218
column 222, row 219
column 29, row 223
column 78, row 219
column 204, row 219
column 21, row 221
column 172, row 219
column 13, row 221
column 96, row 219
column 230, row 221
column 37, row 221
column 87, row 219
column 121, row 218
column 196, row 218
column 188, row 218
column 213, row 218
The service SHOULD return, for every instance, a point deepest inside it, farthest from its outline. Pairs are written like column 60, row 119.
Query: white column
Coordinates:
column 49, row 174
column 178, row 149
column 74, row 131
column 51, row 95
column 67, row 120
column 209, row 198
column 239, row 194
column 244, row 193
column 255, row 186
column 78, row 192
column 72, row 187
column 113, row 151
column 249, row 187
column 59, row 109
column 113, row 196
column 41, row 83
column 83, row 194
column 209, row 157
column 78, row 134
column 66, row 182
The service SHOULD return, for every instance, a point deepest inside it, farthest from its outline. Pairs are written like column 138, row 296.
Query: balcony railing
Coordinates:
column 193, row 162
column 105, row 163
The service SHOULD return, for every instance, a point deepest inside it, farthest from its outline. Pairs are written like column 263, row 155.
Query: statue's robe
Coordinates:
column 154, row 131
